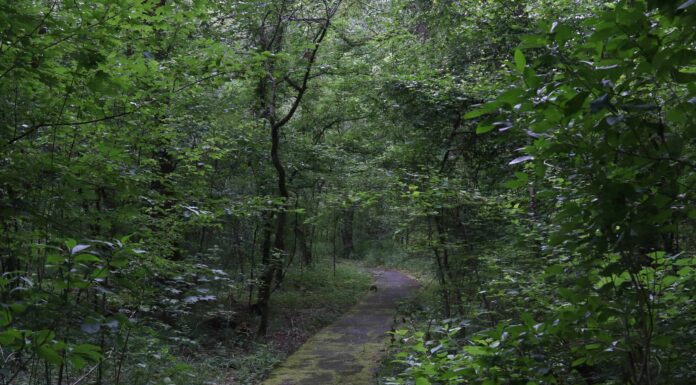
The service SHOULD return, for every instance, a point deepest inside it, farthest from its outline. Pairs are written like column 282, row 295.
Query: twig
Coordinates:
column 84, row 376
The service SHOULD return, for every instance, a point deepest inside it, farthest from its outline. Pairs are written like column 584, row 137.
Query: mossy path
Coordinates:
column 349, row 351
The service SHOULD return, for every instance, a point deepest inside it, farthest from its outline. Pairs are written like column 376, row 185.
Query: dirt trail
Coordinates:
column 349, row 351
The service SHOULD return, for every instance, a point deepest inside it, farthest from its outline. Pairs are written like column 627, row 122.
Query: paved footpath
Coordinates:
column 349, row 351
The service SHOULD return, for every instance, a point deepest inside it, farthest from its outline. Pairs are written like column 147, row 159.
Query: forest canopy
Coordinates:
column 189, row 189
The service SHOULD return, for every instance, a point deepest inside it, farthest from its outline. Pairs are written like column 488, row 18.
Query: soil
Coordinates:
column 349, row 351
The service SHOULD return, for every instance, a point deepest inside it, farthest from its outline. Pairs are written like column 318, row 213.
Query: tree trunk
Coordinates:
column 265, row 287
column 347, row 231
column 305, row 248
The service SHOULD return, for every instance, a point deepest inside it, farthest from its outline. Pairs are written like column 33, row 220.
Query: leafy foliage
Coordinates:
column 178, row 177
column 608, row 169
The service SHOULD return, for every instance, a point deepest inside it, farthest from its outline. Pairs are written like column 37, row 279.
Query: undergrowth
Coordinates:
column 308, row 300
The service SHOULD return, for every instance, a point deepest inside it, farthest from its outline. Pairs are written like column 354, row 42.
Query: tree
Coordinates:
column 315, row 20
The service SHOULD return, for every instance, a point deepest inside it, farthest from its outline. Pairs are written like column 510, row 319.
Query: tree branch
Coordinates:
column 331, row 11
column 62, row 124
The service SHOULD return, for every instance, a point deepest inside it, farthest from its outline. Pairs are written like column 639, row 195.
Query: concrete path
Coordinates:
column 349, row 351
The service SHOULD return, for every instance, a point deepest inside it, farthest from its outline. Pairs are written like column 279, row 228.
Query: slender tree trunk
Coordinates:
column 265, row 286
column 252, row 265
column 305, row 248
column 273, row 263
column 335, row 230
column 347, row 231
column 444, row 288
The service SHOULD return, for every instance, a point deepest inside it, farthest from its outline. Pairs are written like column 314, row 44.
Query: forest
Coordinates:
column 191, row 189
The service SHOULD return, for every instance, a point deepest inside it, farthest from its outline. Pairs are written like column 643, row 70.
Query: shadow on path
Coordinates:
column 349, row 351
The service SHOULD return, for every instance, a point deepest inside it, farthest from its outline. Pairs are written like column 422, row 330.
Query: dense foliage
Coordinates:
column 600, row 107
column 180, row 178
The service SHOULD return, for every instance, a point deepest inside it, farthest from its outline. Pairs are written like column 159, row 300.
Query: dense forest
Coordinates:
column 189, row 189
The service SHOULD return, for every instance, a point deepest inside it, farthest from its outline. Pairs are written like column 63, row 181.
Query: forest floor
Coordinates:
column 349, row 351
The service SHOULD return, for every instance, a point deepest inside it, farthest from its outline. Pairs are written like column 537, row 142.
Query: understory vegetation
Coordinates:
column 190, row 189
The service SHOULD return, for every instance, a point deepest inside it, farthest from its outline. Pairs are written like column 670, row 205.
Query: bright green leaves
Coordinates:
column 482, row 129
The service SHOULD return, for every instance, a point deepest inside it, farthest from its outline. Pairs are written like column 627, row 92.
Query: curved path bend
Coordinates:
column 349, row 351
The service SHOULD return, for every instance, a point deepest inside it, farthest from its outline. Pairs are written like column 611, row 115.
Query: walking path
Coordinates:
column 349, row 351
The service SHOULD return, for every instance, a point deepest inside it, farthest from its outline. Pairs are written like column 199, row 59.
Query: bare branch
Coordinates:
column 308, row 19
column 321, row 34
column 292, row 83
column 62, row 124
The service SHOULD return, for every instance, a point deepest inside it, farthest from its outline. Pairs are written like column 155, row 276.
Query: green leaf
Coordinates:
column 533, row 41
column 55, row 259
column 48, row 354
column 91, row 352
column 77, row 361
column 579, row 361
column 684, row 77
column 668, row 280
column 5, row 317
column 520, row 60
column 521, row 180
column 528, row 319
column 422, row 381
column 530, row 78
column 575, row 103
column 511, row 97
column 484, row 110
column 554, row 270
column 484, row 128
column 476, row 350
column 8, row 336
column 70, row 243
column 84, row 258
